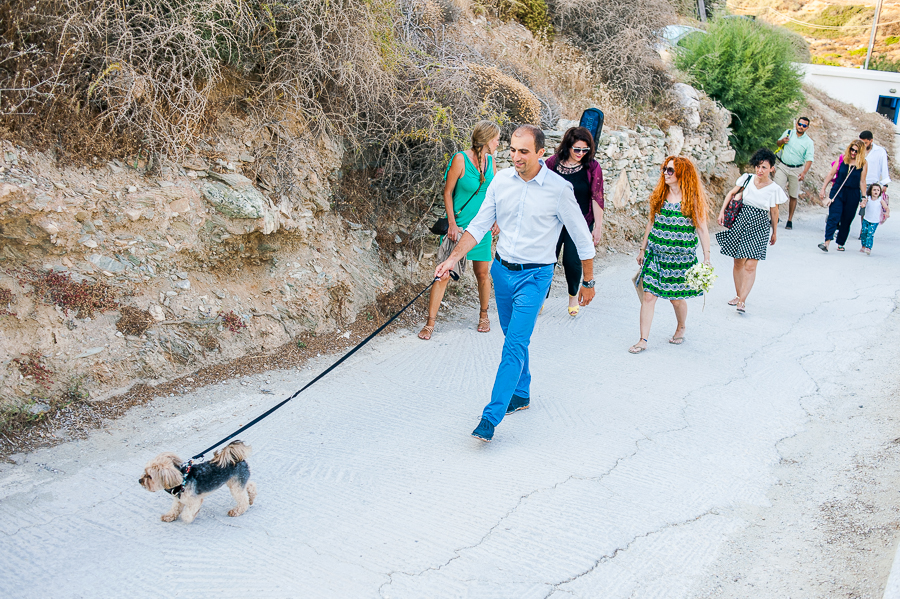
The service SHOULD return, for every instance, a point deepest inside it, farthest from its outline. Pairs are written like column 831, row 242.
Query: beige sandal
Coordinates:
column 427, row 330
column 484, row 325
column 636, row 348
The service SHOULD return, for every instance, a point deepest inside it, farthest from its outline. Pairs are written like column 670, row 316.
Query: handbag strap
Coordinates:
column 849, row 170
column 456, row 213
column 739, row 197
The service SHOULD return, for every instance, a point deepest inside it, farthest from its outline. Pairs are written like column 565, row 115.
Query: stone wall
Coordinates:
column 631, row 158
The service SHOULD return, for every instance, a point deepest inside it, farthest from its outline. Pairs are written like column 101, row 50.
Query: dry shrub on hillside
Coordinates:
column 516, row 99
column 621, row 36
column 377, row 73
column 152, row 65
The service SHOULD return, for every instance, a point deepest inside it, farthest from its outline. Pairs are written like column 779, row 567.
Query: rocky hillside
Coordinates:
column 260, row 239
column 837, row 31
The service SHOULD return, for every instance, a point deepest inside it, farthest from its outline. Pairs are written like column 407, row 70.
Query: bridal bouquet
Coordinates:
column 701, row 277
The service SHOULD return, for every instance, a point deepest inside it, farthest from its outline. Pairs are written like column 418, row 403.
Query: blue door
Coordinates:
column 887, row 105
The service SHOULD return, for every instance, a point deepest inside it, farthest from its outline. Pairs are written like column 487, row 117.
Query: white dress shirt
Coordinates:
column 530, row 215
column 878, row 166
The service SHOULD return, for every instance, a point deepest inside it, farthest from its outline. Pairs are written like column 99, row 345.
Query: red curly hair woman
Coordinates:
column 678, row 215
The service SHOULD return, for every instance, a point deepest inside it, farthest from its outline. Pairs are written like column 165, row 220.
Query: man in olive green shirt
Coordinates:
column 794, row 160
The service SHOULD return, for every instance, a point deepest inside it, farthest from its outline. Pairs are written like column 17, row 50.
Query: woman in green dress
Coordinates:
column 678, row 217
column 466, row 182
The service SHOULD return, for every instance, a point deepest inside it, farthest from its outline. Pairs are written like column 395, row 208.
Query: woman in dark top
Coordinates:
column 574, row 162
column 847, row 190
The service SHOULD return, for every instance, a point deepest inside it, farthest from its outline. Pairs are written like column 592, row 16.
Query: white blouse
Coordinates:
column 764, row 198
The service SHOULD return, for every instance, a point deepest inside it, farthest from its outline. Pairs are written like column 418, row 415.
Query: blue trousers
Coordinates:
column 520, row 295
column 841, row 214
column 868, row 233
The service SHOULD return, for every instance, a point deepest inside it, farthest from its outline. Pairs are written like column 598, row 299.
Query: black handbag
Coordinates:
column 442, row 225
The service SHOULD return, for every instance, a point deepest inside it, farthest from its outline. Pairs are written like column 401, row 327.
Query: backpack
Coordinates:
column 592, row 120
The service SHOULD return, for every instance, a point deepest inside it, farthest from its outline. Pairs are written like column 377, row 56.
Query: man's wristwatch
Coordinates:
column 589, row 284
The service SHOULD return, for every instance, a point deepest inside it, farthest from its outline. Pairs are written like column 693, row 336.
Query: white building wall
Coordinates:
column 853, row 86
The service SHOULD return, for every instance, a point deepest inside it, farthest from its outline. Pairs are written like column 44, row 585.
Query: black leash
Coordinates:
column 200, row 455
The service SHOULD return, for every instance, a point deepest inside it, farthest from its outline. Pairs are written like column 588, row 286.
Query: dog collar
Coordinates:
column 185, row 470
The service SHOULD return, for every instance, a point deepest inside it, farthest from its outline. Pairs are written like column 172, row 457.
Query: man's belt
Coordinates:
column 513, row 266
column 786, row 164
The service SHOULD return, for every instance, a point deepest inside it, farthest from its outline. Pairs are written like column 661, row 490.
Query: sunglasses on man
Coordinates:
column 802, row 125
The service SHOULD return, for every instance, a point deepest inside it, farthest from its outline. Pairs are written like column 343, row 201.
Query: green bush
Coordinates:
column 747, row 67
column 826, row 60
column 893, row 39
column 883, row 63
column 530, row 13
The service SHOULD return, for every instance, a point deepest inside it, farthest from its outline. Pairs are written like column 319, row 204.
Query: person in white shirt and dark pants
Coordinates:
column 530, row 204
column 876, row 157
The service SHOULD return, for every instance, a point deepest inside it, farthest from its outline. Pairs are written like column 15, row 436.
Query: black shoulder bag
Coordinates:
column 442, row 225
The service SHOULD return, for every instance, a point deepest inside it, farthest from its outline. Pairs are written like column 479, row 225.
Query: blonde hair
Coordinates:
column 860, row 153
column 482, row 134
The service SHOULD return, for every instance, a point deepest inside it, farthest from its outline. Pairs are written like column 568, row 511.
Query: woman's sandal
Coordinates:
column 734, row 302
column 741, row 307
column 484, row 325
column 427, row 330
column 823, row 247
column 636, row 349
column 677, row 340
column 840, row 248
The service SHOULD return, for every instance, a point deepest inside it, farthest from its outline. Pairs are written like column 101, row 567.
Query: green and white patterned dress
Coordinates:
column 671, row 251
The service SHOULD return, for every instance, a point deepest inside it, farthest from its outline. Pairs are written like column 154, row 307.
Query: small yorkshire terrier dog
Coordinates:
column 188, row 486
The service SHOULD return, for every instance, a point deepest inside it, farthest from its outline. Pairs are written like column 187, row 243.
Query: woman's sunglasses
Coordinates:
column 581, row 150
column 853, row 151
column 669, row 171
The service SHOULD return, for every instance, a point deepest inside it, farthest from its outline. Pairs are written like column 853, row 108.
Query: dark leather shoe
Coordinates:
column 517, row 403
column 484, row 430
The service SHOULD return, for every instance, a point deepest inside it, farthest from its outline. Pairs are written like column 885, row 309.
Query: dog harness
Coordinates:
column 185, row 470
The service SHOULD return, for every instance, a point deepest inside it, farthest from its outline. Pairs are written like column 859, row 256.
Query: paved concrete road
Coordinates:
column 626, row 478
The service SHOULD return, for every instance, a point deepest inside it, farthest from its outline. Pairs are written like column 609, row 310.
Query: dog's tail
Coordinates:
column 231, row 454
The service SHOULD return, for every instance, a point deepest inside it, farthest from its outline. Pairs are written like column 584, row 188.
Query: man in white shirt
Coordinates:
column 530, row 204
column 876, row 159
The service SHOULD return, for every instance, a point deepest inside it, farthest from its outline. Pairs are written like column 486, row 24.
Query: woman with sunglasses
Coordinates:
column 848, row 187
column 669, row 248
column 574, row 162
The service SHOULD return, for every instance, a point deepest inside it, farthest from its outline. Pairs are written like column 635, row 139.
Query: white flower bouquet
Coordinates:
column 701, row 277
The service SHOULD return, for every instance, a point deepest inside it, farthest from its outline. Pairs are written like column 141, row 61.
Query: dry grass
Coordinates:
column 7, row 299
column 133, row 321
column 382, row 76
column 620, row 35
